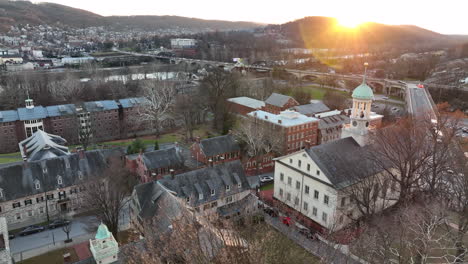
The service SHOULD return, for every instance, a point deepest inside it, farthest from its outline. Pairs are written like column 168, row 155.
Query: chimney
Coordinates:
column 266, row 117
column 172, row 171
column 280, row 121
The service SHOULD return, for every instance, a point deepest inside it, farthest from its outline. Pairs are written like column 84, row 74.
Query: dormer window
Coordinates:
column 80, row 175
column 239, row 185
column 187, row 199
column 37, row 185
column 59, row 179
column 228, row 188
column 212, row 192
column 200, row 196
column 44, row 169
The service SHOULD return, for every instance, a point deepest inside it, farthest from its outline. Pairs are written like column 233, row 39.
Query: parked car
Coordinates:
column 271, row 212
column 31, row 230
column 286, row 220
column 265, row 179
column 307, row 233
column 11, row 236
column 58, row 223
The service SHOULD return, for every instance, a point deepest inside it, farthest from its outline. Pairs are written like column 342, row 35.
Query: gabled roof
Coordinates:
column 18, row 180
column 164, row 158
column 333, row 121
column 278, row 99
column 310, row 109
column 219, row 145
column 344, row 162
column 211, row 178
column 9, row 116
column 132, row 102
column 61, row 110
column 38, row 112
column 42, row 145
column 98, row 106
column 247, row 101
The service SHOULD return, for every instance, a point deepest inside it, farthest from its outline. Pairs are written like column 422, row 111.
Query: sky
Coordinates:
column 443, row 16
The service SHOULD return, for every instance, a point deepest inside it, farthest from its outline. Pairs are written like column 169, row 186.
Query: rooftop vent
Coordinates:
column 99, row 104
column 290, row 114
column 62, row 108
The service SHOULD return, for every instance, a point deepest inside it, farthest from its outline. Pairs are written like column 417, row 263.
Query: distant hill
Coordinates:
column 326, row 32
column 25, row 12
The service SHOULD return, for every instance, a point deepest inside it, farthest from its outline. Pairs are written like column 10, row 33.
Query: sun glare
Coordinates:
column 349, row 22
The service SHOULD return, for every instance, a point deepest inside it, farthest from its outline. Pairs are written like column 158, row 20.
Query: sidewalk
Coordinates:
column 322, row 249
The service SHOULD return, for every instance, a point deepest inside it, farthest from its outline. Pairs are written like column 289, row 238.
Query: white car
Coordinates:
column 265, row 179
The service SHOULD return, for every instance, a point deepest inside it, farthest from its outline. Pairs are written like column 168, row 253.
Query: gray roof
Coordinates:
column 18, row 179
column 247, row 101
column 8, row 116
column 216, row 178
column 42, row 145
column 278, row 99
column 344, row 161
column 97, row 106
column 164, row 158
column 332, row 121
column 37, row 112
column 61, row 110
column 219, row 145
column 132, row 102
column 311, row 109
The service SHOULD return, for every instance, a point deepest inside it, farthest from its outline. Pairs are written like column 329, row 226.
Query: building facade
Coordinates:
column 153, row 165
column 277, row 103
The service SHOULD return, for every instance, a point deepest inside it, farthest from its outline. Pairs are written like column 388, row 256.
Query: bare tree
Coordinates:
column 160, row 96
column 190, row 110
column 106, row 195
column 67, row 227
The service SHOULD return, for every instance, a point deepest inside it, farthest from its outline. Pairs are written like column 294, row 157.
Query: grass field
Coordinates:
column 267, row 187
column 52, row 257
column 9, row 160
column 318, row 92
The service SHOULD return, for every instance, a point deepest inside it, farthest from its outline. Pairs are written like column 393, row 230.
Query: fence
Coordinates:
column 26, row 254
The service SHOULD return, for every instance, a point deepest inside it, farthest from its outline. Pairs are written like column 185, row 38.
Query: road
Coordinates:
column 419, row 102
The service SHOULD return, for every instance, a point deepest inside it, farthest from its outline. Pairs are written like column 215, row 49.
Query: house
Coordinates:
column 152, row 165
column 33, row 192
column 244, row 105
column 215, row 150
column 314, row 182
column 294, row 130
column 312, row 108
column 43, row 146
column 277, row 103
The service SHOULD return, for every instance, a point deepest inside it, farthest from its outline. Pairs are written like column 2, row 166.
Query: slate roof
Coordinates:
column 189, row 184
column 219, row 145
column 61, row 110
column 42, row 145
column 9, row 116
column 247, row 101
column 97, row 106
column 157, row 202
column 311, row 109
column 164, row 158
column 38, row 112
column 278, row 99
column 18, row 180
column 332, row 121
column 344, row 162
column 132, row 102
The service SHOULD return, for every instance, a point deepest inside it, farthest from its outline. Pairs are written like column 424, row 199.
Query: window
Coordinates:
column 30, row 213
column 80, row 175
column 318, row 173
column 15, row 205
column 307, row 190
column 281, row 192
column 316, row 194
column 308, row 167
column 324, row 217
column 187, row 199
column 229, row 199
column 288, row 196
column 239, row 185
column 298, row 185
column 228, row 188
column 289, row 180
column 281, row 177
column 306, row 206
column 290, row 161
column 299, row 163
column 343, row 201
column 18, row 216
column 296, row 201
column 212, row 192
column 59, row 179
column 26, row 202
column 50, row 196
column 314, row 211
column 37, row 184
column 41, row 210
column 39, row 199
column 325, row 199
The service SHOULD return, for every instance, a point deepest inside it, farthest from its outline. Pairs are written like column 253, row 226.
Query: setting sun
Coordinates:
column 349, row 22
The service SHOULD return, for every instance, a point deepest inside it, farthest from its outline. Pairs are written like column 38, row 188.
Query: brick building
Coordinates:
column 9, row 130
column 62, row 122
column 129, row 108
column 154, row 165
column 244, row 105
column 295, row 130
column 104, row 119
column 277, row 103
column 216, row 150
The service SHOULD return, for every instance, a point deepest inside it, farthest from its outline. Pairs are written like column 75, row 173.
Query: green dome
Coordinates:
column 363, row 91
column 102, row 232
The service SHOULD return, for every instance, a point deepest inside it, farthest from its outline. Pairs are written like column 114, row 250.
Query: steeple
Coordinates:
column 363, row 91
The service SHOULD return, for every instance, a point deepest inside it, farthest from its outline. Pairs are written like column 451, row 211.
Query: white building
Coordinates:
column 5, row 255
column 315, row 182
column 104, row 247
column 183, row 43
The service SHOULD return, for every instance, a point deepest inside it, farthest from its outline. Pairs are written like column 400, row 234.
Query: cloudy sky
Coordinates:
column 444, row 16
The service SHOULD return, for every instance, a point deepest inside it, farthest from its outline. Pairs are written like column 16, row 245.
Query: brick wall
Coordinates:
column 8, row 137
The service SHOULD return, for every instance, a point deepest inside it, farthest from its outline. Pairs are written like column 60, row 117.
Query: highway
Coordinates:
column 419, row 102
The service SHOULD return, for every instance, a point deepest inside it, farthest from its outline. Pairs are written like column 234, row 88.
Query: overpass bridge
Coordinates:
column 419, row 102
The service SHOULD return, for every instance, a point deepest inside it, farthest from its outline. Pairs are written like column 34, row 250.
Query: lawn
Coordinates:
column 266, row 187
column 318, row 92
column 9, row 160
column 52, row 257
column 11, row 154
